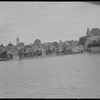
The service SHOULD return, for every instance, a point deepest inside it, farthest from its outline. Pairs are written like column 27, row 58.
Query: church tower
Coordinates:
column 17, row 40
column 87, row 33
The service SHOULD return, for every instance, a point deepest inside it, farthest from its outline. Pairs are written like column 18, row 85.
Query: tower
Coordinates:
column 87, row 33
column 17, row 40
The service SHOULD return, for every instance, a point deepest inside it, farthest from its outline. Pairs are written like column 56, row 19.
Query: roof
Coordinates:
column 94, row 31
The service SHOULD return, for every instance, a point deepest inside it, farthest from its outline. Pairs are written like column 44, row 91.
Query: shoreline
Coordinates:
column 44, row 56
column 47, row 56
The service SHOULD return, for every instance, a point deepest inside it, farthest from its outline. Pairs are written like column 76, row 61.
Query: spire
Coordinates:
column 17, row 36
column 88, row 30
column 17, row 40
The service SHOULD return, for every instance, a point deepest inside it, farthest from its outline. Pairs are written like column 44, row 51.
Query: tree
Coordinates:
column 37, row 41
column 10, row 44
column 2, row 45
column 82, row 40
column 55, row 44
column 22, row 44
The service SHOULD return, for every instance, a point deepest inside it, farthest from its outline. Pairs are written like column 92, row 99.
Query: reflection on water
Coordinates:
column 76, row 76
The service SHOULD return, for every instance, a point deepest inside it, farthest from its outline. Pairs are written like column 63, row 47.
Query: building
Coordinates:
column 77, row 49
column 60, row 46
column 94, row 32
column 92, row 35
column 94, row 49
column 17, row 40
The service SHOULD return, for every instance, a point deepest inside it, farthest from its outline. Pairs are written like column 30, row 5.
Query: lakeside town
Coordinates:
column 90, row 42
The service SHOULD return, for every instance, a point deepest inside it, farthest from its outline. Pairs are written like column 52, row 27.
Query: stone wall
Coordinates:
column 94, row 49
column 90, row 39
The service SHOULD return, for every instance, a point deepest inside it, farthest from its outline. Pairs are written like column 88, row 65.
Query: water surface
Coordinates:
column 75, row 76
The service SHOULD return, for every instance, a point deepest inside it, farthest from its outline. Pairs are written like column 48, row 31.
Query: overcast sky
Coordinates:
column 48, row 21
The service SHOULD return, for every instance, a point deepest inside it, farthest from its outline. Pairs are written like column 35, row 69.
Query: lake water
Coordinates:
column 75, row 76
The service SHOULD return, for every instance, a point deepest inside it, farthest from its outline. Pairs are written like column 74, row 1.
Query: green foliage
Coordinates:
column 55, row 44
column 10, row 44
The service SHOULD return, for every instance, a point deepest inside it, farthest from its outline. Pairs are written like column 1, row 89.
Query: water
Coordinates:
column 75, row 76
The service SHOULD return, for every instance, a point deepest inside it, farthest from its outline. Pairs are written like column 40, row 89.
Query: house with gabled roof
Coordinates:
column 92, row 35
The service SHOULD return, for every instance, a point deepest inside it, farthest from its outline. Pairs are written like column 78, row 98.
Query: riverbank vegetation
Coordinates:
column 91, row 39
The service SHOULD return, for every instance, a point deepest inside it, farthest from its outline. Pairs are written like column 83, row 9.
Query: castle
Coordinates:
column 92, row 35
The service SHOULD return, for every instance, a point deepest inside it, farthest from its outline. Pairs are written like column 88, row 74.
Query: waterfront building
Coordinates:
column 77, row 49
column 60, row 46
column 43, row 50
column 94, row 49
column 93, row 35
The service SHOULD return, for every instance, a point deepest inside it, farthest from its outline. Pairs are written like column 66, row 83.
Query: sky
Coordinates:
column 47, row 21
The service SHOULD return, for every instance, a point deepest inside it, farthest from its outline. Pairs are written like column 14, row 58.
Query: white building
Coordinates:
column 77, row 49
column 94, row 34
